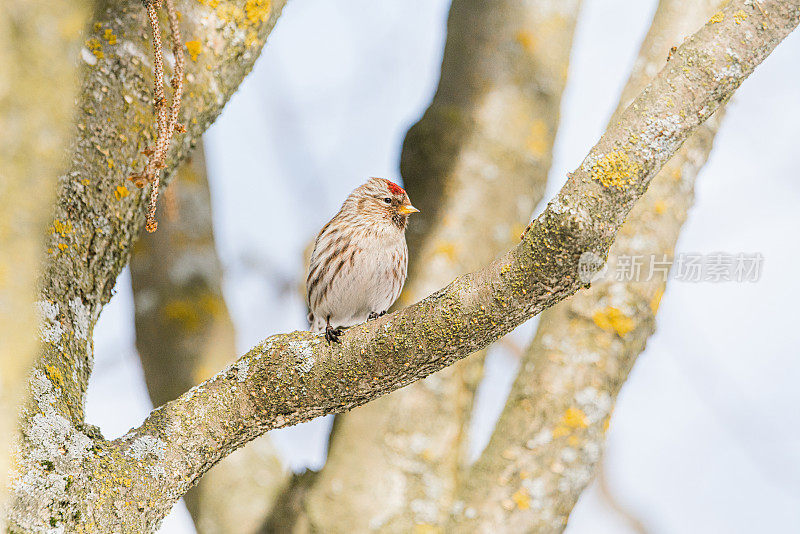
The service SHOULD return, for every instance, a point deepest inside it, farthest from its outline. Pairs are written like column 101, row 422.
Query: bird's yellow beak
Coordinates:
column 405, row 209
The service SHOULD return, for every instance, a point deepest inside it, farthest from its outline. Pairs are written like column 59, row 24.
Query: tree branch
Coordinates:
column 290, row 378
column 551, row 433
column 97, row 217
column 95, row 221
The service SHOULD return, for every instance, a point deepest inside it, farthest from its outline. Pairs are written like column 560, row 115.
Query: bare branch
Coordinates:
column 551, row 433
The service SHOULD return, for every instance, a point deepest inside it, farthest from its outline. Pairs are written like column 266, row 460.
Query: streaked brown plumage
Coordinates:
column 358, row 266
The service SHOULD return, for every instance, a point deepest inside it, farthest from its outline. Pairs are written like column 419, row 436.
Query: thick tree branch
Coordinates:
column 484, row 145
column 295, row 377
column 95, row 221
column 97, row 217
column 551, row 432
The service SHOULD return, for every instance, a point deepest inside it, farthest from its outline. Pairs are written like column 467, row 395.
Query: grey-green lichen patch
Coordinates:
column 80, row 318
column 51, row 458
column 50, row 328
column 303, row 349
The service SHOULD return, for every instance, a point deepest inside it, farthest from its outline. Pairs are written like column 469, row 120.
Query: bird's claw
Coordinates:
column 332, row 334
column 375, row 315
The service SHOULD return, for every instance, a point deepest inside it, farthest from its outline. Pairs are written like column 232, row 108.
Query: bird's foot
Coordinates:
column 375, row 315
column 332, row 334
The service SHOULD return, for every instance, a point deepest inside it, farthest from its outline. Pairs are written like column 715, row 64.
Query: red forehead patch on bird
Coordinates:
column 394, row 188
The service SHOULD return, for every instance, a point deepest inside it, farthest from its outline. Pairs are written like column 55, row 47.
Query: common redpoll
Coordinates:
column 360, row 258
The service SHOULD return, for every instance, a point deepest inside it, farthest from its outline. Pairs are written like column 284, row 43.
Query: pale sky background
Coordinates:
column 706, row 434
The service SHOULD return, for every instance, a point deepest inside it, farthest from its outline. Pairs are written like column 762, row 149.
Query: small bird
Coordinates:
column 360, row 258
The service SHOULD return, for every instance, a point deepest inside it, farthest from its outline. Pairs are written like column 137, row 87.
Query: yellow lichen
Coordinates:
column 522, row 499
column 719, row 16
column 574, row 418
column 739, row 17
column 258, row 10
column 109, row 36
column 194, row 48
column 95, row 47
column 254, row 13
column 60, row 228
column 526, row 39
column 536, row 141
column 615, row 169
column 54, row 375
column 612, row 319
column 655, row 302
column 121, row 192
column 62, row 247
column 251, row 39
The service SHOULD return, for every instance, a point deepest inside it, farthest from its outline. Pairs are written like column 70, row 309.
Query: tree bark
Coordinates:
column 73, row 478
column 96, row 218
column 482, row 151
column 184, row 335
column 39, row 51
column 551, row 433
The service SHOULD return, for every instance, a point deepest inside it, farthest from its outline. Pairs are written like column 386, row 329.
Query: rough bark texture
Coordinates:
column 64, row 475
column 184, row 335
column 483, row 151
column 551, row 433
column 70, row 477
column 39, row 44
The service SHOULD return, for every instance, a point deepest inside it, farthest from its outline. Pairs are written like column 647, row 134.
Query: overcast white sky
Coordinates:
column 706, row 434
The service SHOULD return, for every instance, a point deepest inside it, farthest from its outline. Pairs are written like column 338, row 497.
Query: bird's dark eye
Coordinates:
column 387, row 200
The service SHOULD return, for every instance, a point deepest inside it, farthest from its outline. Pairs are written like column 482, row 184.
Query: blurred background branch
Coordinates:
column 39, row 44
column 551, row 433
column 184, row 334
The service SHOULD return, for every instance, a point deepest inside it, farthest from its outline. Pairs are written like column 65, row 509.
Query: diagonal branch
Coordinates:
column 290, row 378
column 552, row 430
column 96, row 219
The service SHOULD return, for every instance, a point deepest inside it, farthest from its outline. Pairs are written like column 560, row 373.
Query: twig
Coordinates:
column 166, row 119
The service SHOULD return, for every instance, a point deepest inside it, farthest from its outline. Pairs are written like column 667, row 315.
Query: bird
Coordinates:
column 360, row 259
